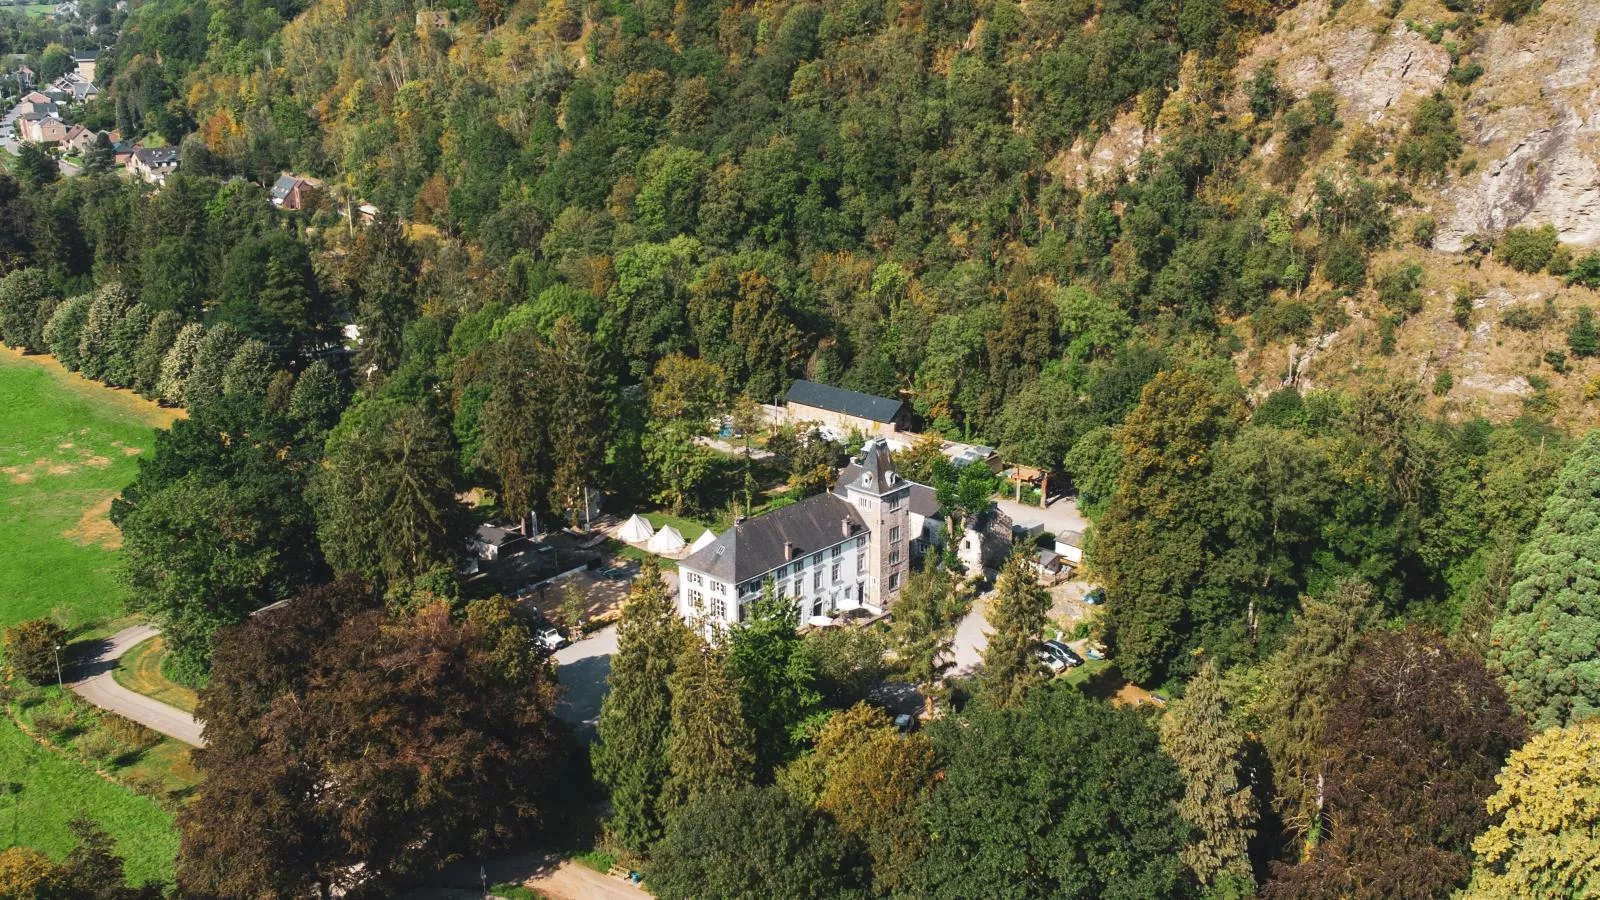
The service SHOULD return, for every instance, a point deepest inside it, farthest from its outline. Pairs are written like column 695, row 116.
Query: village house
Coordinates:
column 153, row 164
column 292, row 191
column 85, row 61
column 843, row 410
column 25, row 75
column 41, row 128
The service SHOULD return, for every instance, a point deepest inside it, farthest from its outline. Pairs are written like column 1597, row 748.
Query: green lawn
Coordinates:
column 54, row 790
column 689, row 528
column 68, row 447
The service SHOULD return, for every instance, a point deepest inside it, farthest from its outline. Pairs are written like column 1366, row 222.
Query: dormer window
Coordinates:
column 866, row 479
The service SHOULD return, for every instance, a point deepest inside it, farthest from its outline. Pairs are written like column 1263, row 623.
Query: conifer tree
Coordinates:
column 152, row 350
column 925, row 619
column 1316, row 653
column 1010, row 666
column 709, row 746
column 26, row 300
column 212, row 355
column 1218, row 801
column 107, row 308
column 249, row 371
column 65, row 325
column 630, row 753
column 1543, row 646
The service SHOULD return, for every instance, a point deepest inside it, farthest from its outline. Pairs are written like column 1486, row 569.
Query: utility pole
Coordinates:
column 60, row 682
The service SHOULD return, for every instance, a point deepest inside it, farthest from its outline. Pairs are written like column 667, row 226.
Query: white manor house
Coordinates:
column 847, row 549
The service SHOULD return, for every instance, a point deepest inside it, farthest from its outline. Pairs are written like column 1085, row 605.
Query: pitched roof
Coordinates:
column 756, row 547
column 156, row 156
column 282, row 187
column 86, row 55
column 924, row 500
column 839, row 400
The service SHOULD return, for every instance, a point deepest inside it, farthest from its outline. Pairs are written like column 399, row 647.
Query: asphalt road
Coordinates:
column 583, row 668
column 91, row 679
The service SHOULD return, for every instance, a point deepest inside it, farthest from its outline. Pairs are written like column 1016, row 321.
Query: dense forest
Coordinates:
column 599, row 227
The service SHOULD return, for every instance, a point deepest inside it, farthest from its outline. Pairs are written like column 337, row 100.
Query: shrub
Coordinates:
column 1443, row 382
column 31, row 649
column 1461, row 306
column 1560, row 261
column 1528, row 249
column 1431, row 142
column 100, row 746
column 130, row 732
column 1583, row 338
column 1511, row 10
column 1521, row 318
column 599, row 860
column 1586, row 271
column 1557, row 360
column 1398, row 288
column 1344, row 262
column 1424, row 231
column 512, row 892
column 1284, row 319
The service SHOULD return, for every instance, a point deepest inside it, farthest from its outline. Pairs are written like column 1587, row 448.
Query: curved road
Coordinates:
column 91, row 679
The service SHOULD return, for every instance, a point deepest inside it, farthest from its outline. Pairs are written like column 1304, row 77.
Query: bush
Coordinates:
column 1528, row 249
column 1521, row 318
column 1583, row 338
column 512, row 892
column 1344, row 262
column 130, row 732
column 1511, row 10
column 31, row 650
column 1398, row 289
column 100, row 746
column 1424, row 231
column 1461, row 306
column 1586, row 271
column 599, row 860
column 1443, row 382
column 1432, row 141
column 1556, row 360
column 1284, row 319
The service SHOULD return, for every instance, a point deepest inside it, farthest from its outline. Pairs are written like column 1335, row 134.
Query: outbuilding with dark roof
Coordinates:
column 810, row 401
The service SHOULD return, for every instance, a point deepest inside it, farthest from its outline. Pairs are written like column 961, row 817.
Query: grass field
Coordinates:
column 68, row 447
column 139, row 670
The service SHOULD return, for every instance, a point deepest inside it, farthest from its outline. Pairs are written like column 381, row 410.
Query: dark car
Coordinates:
column 1058, row 657
column 1095, row 597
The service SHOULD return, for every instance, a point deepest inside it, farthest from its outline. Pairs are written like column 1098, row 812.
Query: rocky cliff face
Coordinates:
column 1534, row 122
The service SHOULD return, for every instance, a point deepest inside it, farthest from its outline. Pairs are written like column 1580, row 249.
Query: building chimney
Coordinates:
column 788, row 550
column 844, row 527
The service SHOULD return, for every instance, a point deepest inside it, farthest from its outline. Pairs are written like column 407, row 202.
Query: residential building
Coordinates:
column 292, row 191
column 153, row 164
column 41, row 128
column 843, row 550
column 85, row 60
column 843, row 410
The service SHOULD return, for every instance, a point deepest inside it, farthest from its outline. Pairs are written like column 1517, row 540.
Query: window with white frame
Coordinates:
column 894, row 554
column 694, row 578
column 894, row 580
column 799, row 585
column 834, row 553
column 894, row 534
column 718, row 587
column 835, row 576
column 861, row 563
column 697, row 601
column 896, row 501
column 719, row 608
column 816, row 580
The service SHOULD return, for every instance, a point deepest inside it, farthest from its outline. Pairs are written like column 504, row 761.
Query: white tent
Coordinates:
column 636, row 530
column 703, row 541
column 665, row 541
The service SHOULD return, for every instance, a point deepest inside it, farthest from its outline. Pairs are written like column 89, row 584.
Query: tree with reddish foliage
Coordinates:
column 348, row 749
column 1415, row 736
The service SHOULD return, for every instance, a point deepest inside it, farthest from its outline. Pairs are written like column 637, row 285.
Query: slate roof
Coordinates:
column 282, row 187
column 495, row 536
column 755, row 547
column 155, row 157
column 86, row 55
column 924, row 500
column 839, row 400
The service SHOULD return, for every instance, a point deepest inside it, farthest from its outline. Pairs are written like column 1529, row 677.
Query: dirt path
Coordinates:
column 158, row 415
column 575, row 881
column 91, row 679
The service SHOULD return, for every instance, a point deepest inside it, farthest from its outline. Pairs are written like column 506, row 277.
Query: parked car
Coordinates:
column 1095, row 597
column 906, row 723
column 1094, row 651
column 1057, row 656
column 549, row 637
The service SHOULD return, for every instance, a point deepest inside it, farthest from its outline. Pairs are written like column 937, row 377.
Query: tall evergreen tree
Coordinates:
column 1150, row 544
column 630, row 752
column 580, row 415
column 1316, row 653
column 710, row 747
column 26, row 300
column 1017, row 615
column 383, row 274
column 1218, row 800
column 178, row 364
column 1543, row 646
column 926, row 615
column 776, row 678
